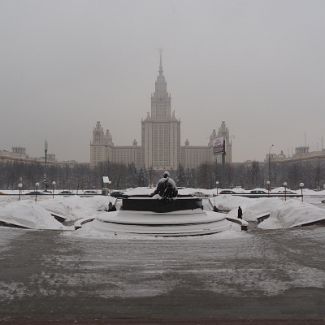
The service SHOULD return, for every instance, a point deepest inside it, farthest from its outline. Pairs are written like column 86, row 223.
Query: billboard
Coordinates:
column 106, row 180
column 219, row 145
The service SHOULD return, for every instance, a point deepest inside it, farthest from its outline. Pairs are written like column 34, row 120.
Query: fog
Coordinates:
column 256, row 64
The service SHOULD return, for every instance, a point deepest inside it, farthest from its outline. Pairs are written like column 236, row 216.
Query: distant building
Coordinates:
column 18, row 154
column 302, row 153
column 275, row 157
column 194, row 156
column 160, row 139
column 20, row 151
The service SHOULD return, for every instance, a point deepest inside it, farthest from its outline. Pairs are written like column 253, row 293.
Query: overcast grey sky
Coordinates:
column 257, row 64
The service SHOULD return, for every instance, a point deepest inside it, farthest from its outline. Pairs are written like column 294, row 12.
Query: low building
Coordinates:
column 302, row 153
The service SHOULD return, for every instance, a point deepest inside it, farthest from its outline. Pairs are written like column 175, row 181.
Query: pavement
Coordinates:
column 55, row 277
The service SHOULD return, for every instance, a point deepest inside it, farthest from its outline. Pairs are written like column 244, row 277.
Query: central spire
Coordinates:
column 160, row 62
column 160, row 99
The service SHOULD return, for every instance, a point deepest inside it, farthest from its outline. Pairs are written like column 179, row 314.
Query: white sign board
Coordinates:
column 106, row 180
column 218, row 145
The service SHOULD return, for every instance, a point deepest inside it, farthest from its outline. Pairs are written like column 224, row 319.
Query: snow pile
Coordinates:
column 196, row 191
column 28, row 214
column 259, row 189
column 209, row 192
column 139, row 191
column 75, row 207
column 260, row 207
column 281, row 189
column 307, row 191
column 292, row 213
column 228, row 202
column 283, row 214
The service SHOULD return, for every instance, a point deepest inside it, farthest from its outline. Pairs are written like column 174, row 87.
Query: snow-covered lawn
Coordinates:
column 28, row 214
column 75, row 207
column 37, row 215
column 283, row 214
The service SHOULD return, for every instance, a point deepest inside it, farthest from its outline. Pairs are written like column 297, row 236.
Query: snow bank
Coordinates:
column 292, row 213
column 261, row 207
column 139, row 191
column 228, row 202
column 283, row 214
column 311, row 192
column 281, row 189
column 305, row 191
column 75, row 207
column 28, row 214
column 209, row 192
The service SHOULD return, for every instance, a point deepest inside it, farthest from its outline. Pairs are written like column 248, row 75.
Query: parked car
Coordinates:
column 66, row 192
column 258, row 191
column 287, row 192
column 227, row 192
column 117, row 194
column 90, row 192
column 35, row 193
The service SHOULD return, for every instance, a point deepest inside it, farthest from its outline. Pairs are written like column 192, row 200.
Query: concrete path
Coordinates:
column 51, row 276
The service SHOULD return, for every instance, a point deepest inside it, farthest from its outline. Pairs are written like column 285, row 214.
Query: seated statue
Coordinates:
column 166, row 187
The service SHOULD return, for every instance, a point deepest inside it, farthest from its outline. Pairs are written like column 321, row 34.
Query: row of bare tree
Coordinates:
column 247, row 175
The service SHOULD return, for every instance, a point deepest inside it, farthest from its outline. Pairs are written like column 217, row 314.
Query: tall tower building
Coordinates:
column 101, row 145
column 161, row 130
column 160, row 147
column 224, row 132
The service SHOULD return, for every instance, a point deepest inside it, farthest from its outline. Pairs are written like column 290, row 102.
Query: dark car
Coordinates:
column 65, row 192
column 117, row 194
column 257, row 192
column 227, row 192
column 35, row 193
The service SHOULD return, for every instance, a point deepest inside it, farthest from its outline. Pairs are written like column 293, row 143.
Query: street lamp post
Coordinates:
column 45, row 165
column 36, row 190
column 301, row 185
column 20, row 186
column 285, row 184
column 53, row 188
column 217, row 184
column 272, row 145
column 268, row 183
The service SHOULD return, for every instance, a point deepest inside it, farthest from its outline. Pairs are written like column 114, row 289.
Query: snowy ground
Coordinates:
column 260, row 274
column 264, row 273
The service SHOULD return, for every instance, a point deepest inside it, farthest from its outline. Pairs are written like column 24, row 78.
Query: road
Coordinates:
column 55, row 276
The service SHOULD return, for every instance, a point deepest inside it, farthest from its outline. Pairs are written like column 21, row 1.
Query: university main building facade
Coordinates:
column 160, row 147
